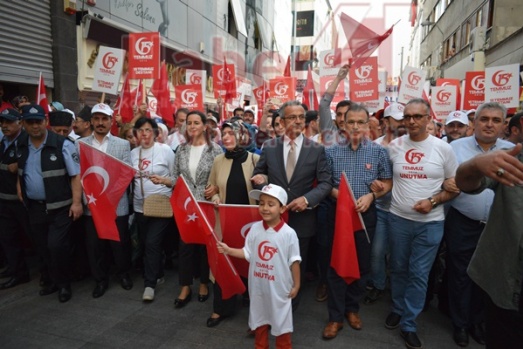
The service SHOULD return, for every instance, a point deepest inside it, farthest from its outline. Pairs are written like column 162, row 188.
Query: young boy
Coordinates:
column 273, row 253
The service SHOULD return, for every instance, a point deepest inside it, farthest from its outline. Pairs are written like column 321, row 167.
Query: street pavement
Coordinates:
column 120, row 319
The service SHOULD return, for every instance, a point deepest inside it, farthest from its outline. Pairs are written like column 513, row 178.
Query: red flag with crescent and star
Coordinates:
column 104, row 180
column 41, row 95
column 195, row 228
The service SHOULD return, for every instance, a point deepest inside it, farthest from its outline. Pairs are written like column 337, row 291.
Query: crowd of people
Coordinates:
column 439, row 204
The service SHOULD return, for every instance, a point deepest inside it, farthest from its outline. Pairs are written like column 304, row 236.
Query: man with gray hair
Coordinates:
column 464, row 224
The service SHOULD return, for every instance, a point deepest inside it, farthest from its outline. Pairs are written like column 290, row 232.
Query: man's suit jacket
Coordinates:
column 311, row 178
column 120, row 149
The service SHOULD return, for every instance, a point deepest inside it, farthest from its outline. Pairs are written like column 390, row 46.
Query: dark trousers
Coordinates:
column 81, row 266
column 343, row 297
column 466, row 300
column 222, row 307
column 504, row 328
column 51, row 234
column 192, row 259
column 99, row 250
column 151, row 231
column 324, row 232
column 13, row 223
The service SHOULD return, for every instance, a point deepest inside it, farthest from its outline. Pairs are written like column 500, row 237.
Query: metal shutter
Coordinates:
column 26, row 41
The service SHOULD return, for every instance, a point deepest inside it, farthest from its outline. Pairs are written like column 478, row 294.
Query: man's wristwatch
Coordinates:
column 433, row 202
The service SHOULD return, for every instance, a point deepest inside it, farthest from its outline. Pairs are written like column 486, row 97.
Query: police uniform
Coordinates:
column 45, row 178
column 13, row 215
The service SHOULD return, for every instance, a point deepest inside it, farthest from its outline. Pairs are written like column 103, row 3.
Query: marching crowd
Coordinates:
column 440, row 206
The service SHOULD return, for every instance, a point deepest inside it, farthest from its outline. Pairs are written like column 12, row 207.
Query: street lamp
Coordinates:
column 428, row 23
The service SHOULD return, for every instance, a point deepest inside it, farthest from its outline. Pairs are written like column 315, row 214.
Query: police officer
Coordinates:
column 13, row 215
column 49, row 170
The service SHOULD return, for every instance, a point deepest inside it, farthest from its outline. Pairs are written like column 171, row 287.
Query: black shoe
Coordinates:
column 100, row 289
column 126, row 282
column 180, row 303
column 373, row 296
column 203, row 297
column 411, row 340
column 478, row 333
column 212, row 322
column 47, row 290
column 5, row 274
column 461, row 337
column 64, row 294
column 45, row 280
column 392, row 321
column 14, row 281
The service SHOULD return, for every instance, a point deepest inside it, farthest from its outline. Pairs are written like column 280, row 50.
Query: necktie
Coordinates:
column 291, row 161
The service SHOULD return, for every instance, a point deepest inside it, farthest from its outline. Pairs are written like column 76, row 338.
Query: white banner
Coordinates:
column 502, row 85
column 412, row 82
column 382, row 78
column 196, row 77
column 374, row 106
column 107, row 70
column 443, row 101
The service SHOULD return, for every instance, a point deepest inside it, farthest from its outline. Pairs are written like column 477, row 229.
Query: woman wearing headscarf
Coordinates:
column 230, row 182
column 194, row 160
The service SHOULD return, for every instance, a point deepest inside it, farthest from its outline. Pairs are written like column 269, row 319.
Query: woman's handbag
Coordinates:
column 157, row 205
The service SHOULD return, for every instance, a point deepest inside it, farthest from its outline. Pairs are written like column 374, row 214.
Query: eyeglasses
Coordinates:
column 415, row 117
column 294, row 117
column 359, row 123
column 144, row 130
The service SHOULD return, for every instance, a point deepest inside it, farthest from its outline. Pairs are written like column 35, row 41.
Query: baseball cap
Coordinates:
column 470, row 111
column 459, row 116
column 272, row 190
column 212, row 118
column 10, row 114
column 33, row 112
column 57, row 105
column 102, row 108
column 395, row 110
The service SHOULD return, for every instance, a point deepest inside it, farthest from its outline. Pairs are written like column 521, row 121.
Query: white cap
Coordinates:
column 458, row 116
column 102, row 108
column 471, row 111
column 272, row 190
column 395, row 110
column 70, row 112
column 212, row 118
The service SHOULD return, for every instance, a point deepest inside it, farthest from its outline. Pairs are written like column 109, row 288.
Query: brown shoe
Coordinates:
column 321, row 293
column 354, row 320
column 331, row 330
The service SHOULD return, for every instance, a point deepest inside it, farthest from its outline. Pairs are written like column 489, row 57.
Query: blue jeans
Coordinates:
column 413, row 248
column 380, row 250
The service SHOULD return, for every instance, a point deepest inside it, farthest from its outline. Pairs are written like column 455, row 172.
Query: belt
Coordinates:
column 36, row 202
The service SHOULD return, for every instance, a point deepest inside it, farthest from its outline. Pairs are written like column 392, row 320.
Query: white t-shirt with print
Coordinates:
column 158, row 160
column 419, row 169
column 270, row 254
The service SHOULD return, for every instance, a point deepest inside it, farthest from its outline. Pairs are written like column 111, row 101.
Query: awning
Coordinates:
column 265, row 30
column 238, row 17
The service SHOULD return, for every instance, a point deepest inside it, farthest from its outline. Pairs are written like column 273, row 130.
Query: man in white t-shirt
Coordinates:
column 421, row 163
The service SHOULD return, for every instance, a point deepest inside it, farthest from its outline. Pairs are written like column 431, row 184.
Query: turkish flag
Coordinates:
column 162, row 91
column 124, row 103
column 104, row 180
column 229, row 83
column 287, row 71
column 138, row 95
column 41, row 95
column 362, row 41
column 310, row 98
column 195, row 228
column 344, row 257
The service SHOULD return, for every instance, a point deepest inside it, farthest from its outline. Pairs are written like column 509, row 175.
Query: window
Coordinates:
column 231, row 25
column 465, row 32
column 257, row 38
column 437, row 11
column 490, row 13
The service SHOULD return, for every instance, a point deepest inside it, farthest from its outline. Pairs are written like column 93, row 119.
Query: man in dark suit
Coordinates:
column 306, row 177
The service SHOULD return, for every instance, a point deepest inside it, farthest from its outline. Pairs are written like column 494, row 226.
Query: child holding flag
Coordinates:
column 273, row 253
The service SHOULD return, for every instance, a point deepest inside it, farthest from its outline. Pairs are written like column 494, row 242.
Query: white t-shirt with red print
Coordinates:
column 419, row 169
column 270, row 253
